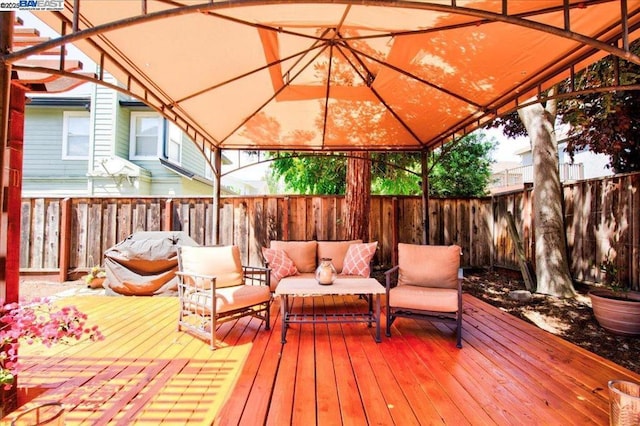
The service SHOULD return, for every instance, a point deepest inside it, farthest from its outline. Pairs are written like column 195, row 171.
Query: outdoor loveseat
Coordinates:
column 301, row 258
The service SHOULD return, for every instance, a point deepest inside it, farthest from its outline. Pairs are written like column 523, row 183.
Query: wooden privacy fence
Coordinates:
column 62, row 235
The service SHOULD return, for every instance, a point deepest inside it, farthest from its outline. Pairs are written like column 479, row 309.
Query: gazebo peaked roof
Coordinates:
column 340, row 75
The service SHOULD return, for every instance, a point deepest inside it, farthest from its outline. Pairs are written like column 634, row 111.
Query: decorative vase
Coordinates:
column 617, row 314
column 326, row 273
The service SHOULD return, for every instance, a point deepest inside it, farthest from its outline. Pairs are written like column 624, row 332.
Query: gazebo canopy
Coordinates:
column 338, row 75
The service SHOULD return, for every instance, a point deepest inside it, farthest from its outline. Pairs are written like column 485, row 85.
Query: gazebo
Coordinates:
column 313, row 76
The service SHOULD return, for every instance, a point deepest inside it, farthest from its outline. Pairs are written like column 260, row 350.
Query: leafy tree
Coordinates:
column 323, row 174
column 606, row 123
column 463, row 169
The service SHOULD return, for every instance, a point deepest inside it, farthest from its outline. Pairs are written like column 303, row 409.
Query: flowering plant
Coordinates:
column 38, row 321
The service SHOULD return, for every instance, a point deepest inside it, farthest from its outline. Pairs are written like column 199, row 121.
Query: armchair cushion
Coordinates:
column 424, row 298
column 428, row 266
column 280, row 264
column 228, row 298
column 336, row 251
column 357, row 259
column 222, row 262
column 303, row 253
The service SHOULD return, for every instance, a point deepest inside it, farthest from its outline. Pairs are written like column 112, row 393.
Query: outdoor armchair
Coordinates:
column 426, row 284
column 213, row 286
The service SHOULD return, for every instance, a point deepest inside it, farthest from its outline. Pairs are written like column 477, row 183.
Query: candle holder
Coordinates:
column 326, row 272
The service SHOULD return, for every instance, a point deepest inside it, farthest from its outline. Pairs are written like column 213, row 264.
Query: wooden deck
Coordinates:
column 508, row 372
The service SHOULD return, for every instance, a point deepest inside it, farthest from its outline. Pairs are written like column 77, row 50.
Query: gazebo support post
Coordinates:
column 6, row 41
column 217, row 177
column 425, row 197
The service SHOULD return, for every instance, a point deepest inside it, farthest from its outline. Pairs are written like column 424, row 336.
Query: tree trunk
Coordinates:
column 552, row 268
column 358, row 196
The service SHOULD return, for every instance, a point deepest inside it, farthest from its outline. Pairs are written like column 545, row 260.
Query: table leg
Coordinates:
column 283, row 313
column 378, row 318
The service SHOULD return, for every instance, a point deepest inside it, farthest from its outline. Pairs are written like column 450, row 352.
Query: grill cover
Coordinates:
column 145, row 264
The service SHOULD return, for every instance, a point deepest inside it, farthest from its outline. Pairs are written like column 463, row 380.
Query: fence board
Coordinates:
column 52, row 235
column 227, row 223
column 94, row 233
column 25, row 234
column 124, row 219
column 109, row 224
column 37, row 244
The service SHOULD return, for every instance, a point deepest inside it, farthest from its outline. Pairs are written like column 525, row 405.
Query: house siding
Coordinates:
column 192, row 157
column 43, row 166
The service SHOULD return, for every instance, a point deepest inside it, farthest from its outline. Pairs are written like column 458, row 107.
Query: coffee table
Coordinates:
column 309, row 287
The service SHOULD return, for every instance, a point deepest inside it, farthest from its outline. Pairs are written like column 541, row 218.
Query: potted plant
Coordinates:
column 36, row 321
column 616, row 307
column 95, row 278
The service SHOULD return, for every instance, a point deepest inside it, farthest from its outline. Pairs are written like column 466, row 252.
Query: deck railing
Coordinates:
column 68, row 234
column 524, row 174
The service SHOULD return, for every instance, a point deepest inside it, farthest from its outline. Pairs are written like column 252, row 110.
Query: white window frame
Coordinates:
column 135, row 115
column 175, row 137
column 65, row 134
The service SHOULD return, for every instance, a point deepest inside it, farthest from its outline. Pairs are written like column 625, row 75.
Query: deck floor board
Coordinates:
column 146, row 372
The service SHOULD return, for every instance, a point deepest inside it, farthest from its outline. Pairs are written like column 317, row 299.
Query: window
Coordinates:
column 174, row 144
column 75, row 134
column 145, row 136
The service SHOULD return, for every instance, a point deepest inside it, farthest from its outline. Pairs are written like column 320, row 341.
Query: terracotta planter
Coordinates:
column 96, row 282
column 616, row 314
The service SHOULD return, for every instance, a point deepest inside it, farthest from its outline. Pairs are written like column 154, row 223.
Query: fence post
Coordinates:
column 394, row 231
column 65, row 240
column 425, row 197
column 285, row 218
column 168, row 215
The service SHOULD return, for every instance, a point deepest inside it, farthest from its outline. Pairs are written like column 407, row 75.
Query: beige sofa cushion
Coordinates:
column 428, row 266
column 303, row 253
column 336, row 251
column 222, row 262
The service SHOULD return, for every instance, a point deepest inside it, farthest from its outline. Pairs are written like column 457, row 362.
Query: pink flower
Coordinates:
column 38, row 321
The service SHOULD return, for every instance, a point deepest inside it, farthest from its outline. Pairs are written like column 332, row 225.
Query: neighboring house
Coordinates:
column 585, row 165
column 97, row 141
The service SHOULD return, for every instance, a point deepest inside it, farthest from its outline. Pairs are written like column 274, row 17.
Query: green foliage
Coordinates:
column 395, row 173
column 312, row 175
column 462, row 169
column 465, row 170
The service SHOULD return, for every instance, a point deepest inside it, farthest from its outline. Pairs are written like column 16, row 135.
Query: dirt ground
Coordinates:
column 571, row 320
